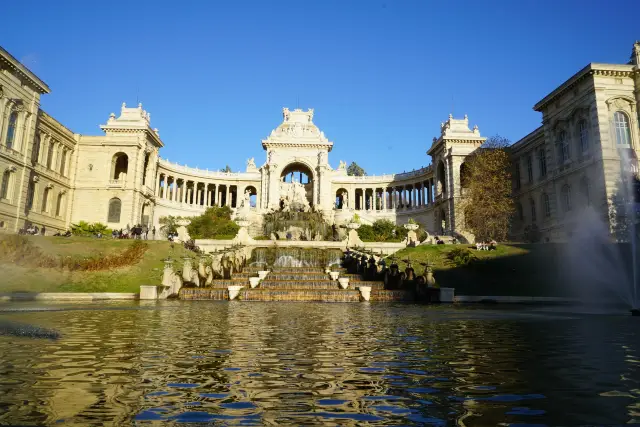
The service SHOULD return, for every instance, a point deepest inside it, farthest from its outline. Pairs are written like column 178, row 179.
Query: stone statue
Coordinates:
column 345, row 200
column 251, row 164
column 170, row 279
column 293, row 196
column 342, row 165
column 285, row 114
column 246, row 200
column 189, row 275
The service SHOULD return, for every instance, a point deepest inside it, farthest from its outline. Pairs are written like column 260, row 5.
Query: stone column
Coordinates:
column 183, row 192
column 374, row 200
column 206, row 189
column 227, row 202
column 213, row 194
column 157, row 193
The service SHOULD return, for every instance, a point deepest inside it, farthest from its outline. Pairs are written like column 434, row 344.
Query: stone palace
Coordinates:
column 53, row 177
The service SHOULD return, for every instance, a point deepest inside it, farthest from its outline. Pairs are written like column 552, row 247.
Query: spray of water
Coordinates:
column 601, row 266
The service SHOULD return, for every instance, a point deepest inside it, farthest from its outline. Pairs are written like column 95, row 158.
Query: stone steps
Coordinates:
column 280, row 294
column 324, row 295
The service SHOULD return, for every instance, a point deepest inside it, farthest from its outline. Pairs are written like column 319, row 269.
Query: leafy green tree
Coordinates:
column 215, row 222
column 488, row 205
column 355, row 170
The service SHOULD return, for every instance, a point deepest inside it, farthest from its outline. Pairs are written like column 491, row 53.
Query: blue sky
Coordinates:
column 381, row 75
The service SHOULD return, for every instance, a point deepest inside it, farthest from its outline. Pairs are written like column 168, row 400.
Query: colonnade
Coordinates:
column 409, row 196
column 200, row 193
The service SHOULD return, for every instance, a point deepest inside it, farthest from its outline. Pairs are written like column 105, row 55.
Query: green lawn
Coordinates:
column 125, row 279
column 519, row 270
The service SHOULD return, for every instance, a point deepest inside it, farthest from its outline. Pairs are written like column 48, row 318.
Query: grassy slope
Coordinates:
column 528, row 270
column 511, row 270
column 126, row 279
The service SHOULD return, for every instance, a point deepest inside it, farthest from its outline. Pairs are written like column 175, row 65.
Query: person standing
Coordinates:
column 153, row 233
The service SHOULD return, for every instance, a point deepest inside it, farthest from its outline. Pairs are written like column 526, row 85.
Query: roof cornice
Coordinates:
column 615, row 70
column 9, row 61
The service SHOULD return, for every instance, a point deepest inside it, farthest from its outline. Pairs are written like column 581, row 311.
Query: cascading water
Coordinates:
column 296, row 257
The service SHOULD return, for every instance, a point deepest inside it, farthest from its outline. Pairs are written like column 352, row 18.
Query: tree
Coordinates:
column 355, row 170
column 226, row 169
column 488, row 205
column 215, row 222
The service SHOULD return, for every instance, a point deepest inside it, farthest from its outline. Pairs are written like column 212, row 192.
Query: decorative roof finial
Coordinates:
column 450, row 116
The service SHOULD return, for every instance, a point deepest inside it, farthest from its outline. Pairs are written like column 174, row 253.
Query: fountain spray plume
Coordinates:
column 602, row 252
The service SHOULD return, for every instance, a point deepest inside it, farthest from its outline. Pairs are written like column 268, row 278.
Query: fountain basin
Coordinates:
column 344, row 282
column 365, row 292
column 262, row 274
column 234, row 291
column 254, row 281
column 334, row 275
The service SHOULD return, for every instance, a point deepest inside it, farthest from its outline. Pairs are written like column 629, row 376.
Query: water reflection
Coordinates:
column 319, row 364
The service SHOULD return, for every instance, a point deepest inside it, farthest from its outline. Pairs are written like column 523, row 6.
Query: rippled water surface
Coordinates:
column 318, row 364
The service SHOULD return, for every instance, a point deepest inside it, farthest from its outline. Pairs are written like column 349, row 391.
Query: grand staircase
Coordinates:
column 295, row 284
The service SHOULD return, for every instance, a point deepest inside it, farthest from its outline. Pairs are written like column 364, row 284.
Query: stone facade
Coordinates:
column 589, row 136
column 53, row 177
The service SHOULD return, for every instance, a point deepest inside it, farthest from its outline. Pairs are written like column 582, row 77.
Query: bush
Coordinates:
column 461, row 257
column 84, row 228
column 213, row 223
column 365, row 232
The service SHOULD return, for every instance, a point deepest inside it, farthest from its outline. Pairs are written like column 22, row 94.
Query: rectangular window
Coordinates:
column 530, row 168
column 563, row 148
column 516, row 175
column 584, row 136
column 63, row 162
column 547, row 206
column 50, row 155
column 30, row 195
column 542, row 162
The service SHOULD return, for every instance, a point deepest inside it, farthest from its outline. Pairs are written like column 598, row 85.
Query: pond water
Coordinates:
column 221, row 363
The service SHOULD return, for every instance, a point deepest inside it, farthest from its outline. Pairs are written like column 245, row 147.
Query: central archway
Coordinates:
column 294, row 176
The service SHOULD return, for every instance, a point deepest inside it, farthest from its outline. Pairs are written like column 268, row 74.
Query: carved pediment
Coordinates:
column 621, row 103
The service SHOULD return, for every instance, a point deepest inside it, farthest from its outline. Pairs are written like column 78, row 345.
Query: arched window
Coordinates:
column 621, row 125
column 59, row 204
column 533, row 210
column 585, row 191
column 442, row 186
column 119, row 166
column 115, row 206
column 11, row 129
column 583, row 132
column 547, row 205
column 464, row 175
column 566, row 198
column 45, row 200
column 519, row 213
column 4, row 189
